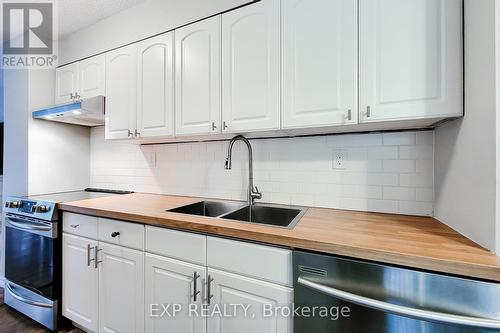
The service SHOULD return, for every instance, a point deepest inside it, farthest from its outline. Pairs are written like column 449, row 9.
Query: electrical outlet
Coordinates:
column 339, row 158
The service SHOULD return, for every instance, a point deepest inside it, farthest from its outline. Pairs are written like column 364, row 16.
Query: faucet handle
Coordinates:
column 256, row 194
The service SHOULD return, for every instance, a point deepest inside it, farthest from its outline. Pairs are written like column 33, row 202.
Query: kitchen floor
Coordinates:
column 14, row 322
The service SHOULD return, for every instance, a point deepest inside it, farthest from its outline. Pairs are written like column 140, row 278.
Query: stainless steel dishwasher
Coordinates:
column 382, row 298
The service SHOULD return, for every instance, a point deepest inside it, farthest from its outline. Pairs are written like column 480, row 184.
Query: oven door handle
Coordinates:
column 419, row 314
column 27, row 226
column 25, row 300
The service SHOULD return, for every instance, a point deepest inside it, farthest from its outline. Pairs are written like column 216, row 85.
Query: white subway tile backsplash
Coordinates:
column 389, row 172
column 399, row 138
column 425, row 138
column 416, row 152
column 399, row 193
column 399, row 166
column 415, row 208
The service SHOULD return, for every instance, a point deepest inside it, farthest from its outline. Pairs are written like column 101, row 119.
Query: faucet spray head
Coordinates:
column 227, row 165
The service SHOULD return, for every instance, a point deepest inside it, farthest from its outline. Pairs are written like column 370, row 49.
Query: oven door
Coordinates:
column 388, row 299
column 30, row 245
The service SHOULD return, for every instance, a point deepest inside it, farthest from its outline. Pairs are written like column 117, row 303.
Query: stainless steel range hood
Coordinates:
column 87, row 112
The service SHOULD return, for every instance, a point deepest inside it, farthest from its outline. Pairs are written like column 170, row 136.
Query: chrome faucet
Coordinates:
column 252, row 193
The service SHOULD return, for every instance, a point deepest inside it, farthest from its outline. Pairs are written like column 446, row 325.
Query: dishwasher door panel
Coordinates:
column 399, row 288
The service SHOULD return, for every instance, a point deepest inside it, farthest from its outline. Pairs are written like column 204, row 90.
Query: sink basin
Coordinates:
column 274, row 215
column 208, row 208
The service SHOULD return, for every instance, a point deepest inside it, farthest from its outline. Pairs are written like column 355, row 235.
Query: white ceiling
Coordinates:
column 77, row 14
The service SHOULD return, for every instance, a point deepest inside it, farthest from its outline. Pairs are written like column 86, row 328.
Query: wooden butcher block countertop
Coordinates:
column 419, row 242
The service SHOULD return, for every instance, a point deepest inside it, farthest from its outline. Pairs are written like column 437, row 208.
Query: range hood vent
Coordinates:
column 87, row 112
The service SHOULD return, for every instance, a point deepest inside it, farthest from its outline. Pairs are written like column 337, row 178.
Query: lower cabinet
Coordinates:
column 262, row 300
column 80, row 281
column 121, row 289
column 111, row 284
column 169, row 282
column 106, row 295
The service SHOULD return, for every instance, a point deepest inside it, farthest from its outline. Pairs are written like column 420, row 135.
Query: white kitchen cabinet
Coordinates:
column 121, row 289
column 170, row 281
column 66, row 83
column 228, row 288
column 82, row 79
column 251, row 67
column 410, row 59
column 121, row 93
column 198, row 77
column 319, row 61
column 80, row 281
column 92, row 77
column 155, row 86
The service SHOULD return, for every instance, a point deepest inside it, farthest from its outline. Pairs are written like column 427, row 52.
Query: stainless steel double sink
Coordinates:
column 273, row 215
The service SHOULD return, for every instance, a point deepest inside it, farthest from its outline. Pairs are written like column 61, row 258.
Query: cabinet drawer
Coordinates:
column 259, row 261
column 125, row 233
column 176, row 244
column 81, row 225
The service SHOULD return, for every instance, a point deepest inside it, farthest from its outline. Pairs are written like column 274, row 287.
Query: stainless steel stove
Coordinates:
column 33, row 253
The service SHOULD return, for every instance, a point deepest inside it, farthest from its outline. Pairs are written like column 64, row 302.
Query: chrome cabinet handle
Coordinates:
column 129, row 133
column 399, row 309
column 89, row 260
column 137, row 134
column 77, row 97
column 25, row 300
column 368, row 111
column 96, row 257
column 195, row 288
column 71, row 96
column 349, row 114
column 115, row 234
column 209, row 291
column 224, row 126
column 213, row 126
column 74, row 226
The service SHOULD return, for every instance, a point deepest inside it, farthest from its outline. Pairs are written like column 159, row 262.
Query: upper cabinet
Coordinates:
column 121, row 93
column 155, row 86
column 300, row 66
column 66, row 83
column 82, row 79
column 251, row 67
column 319, row 63
column 198, row 78
column 92, row 77
column 410, row 64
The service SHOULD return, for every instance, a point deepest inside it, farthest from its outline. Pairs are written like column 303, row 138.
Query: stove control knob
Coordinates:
column 14, row 204
column 41, row 209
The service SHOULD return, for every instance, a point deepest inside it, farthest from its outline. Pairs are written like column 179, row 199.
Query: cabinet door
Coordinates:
column 170, row 281
column 251, row 67
column 410, row 59
column 228, row 288
column 92, row 76
column 80, row 282
column 121, row 92
column 66, row 83
column 319, row 63
column 155, row 86
column 197, row 77
column 121, row 289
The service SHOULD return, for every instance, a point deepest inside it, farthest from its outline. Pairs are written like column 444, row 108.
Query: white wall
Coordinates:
column 138, row 22
column 466, row 149
column 59, row 154
column 391, row 172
